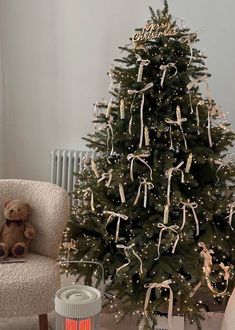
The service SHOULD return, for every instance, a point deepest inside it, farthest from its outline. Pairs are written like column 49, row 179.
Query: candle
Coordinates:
column 189, row 163
column 178, row 114
column 166, row 214
column 94, row 168
column 109, row 108
column 122, row 194
column 122, row 109
column 146, row 135
column 140, row 72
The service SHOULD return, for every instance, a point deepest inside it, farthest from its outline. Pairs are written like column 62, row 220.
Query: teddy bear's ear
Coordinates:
column 6, row 202
column 28, row 206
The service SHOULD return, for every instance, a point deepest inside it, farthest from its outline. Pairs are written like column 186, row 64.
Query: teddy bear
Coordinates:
column 17, row 232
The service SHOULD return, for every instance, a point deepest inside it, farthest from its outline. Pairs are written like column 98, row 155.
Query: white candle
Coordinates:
column 94, row 168
column 109, row 108
column 122, row 194
column 189, row 163
column 122, row 109
column 178, row 113
column 146, row 135
column 166, row 214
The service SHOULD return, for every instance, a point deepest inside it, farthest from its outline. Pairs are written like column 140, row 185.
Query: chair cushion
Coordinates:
column 28, row 288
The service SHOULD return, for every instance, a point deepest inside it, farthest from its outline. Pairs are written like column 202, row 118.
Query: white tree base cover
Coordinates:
column 212, row 321
column 229, row 315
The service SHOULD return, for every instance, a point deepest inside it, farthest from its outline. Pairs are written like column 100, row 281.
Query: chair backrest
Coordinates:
column 50, row 211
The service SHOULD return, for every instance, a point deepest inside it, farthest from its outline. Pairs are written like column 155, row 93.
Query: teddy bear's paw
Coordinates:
column 3, row 251
column 19, row 250
column 30, row 233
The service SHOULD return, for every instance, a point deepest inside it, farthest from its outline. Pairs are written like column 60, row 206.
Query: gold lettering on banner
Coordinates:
column 152, row 31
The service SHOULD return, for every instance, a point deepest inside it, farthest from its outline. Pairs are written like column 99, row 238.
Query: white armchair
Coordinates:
column 28, row 288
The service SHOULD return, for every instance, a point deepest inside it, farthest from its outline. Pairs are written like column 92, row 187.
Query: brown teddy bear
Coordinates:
column 17, row 231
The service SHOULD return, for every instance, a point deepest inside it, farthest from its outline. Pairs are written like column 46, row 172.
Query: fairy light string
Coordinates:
column 162, row 187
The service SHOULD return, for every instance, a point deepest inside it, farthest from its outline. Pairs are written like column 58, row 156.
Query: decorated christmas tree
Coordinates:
column 154, row 205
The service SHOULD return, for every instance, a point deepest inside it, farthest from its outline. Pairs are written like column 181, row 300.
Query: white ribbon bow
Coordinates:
column 195, row 83
column 147, row 186
column 179, row 123
column 89, row 191
column 141, row 63
column 94, row 168
column 127, row 250
column 189, row 38
column 164, row 69
column 172, row 228
column 70, row 246
column 139, row 157
column 209, row 113
column 141, row 92
column 164, row 284
column 206, row 254
column 193, row 206
column 108, row 176
column 226, row 271
column 231, row 213
column 222, row 164
column 115, row 215
column 169, row 174
column 226, row 278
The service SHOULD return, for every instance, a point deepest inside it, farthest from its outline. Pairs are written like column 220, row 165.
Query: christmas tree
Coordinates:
column 154, row 206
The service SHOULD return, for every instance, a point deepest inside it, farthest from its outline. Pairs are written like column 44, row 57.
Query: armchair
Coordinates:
column 28, row 288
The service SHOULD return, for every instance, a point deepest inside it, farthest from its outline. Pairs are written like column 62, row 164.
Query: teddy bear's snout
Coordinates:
column 13, row 211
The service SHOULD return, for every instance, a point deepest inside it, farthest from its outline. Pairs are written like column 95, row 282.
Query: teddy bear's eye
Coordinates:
column 18, row 209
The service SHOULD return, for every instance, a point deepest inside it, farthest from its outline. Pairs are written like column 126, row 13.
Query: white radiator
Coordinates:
column 64, row 163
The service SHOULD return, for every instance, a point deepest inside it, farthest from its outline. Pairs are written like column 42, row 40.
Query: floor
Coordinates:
column 107, row 321
column 212, row 322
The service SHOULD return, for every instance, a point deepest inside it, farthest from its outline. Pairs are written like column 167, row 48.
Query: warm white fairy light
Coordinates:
column 184, row 235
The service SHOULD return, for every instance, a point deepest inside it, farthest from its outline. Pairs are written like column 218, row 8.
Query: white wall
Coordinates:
column 2, row 158
column 56, row 56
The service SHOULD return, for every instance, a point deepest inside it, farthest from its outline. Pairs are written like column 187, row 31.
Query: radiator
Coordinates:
column 64, row 164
